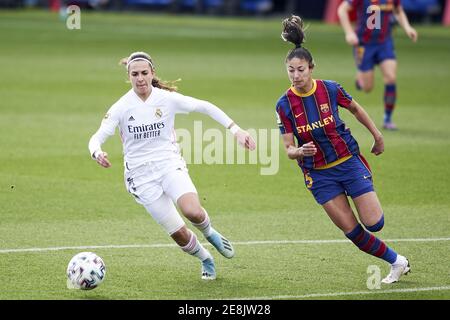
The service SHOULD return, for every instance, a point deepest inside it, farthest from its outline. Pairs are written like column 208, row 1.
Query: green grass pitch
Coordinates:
column 55, row 86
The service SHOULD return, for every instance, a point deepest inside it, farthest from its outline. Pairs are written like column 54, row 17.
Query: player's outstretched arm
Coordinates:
column 242, row 137
column 402, row 19
column 343, row 13
column 206, row 107
column 362, row 116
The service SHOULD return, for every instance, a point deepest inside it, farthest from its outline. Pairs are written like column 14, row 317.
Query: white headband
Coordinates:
column 139, row 59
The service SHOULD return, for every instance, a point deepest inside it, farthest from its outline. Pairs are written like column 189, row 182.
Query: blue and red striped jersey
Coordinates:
column 373, row 19
column 314, row 116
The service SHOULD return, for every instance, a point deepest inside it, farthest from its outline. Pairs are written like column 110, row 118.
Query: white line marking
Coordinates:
column 125, row 246
column 339, row 294
column 243, row 243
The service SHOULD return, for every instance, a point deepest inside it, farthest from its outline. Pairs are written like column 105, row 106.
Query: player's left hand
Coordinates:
column 245, row 139
column 352, row 39
column 378, row 146
column 412, row 34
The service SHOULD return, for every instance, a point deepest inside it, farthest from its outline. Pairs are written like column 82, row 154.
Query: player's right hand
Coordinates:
column 308, row 149
column 245, row 139
column 351, row 39
column 102, row 159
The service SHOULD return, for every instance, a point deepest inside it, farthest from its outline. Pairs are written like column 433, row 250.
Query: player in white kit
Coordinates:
column 155, row 172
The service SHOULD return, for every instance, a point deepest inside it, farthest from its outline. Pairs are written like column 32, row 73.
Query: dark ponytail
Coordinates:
column 294, row 32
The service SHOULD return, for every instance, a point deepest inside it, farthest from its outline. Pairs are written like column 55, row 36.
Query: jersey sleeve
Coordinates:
column 283, row 122
column 181, row 103
column 343, row 98
column 186, row 104
column 107, row 129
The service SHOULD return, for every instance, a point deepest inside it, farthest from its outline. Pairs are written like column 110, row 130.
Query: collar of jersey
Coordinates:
column 307, row 94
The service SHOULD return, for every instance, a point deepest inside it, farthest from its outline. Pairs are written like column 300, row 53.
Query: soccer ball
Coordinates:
column 85, row 271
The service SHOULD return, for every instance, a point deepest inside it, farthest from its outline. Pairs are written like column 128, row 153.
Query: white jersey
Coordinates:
column 147, row 128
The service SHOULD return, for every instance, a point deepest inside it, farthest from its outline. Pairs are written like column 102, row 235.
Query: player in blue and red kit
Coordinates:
column 327, row 152
column 373, row 45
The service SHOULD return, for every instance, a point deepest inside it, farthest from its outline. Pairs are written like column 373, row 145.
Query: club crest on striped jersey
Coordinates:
column 324, row 107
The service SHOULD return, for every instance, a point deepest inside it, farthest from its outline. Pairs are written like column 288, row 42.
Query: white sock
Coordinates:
column 205, row 225
column 195, row 248
column 400, row 260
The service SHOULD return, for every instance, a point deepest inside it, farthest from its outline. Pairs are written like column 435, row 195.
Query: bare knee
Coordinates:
column 366, row 80
column 390, row 79
column 367, row 87
column 340, row 212
column 389, row 71
column 191, row 208
column 193, row 212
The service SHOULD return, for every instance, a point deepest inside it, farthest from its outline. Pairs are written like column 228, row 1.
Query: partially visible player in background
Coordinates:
column 155, row 172
column 328, row 154
column 373, row 45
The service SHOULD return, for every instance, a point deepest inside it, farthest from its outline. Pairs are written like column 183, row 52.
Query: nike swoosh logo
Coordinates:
column 366, row 177
column 298, row 115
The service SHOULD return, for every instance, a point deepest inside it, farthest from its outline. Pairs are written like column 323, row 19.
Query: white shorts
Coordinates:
column 149, row 181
